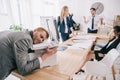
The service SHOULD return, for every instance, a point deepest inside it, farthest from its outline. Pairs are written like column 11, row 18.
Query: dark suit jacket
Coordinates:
column 61, row 25
column 106, row 49
column 14, row 48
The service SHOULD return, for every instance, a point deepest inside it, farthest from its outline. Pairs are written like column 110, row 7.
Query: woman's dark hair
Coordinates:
column 117, row 30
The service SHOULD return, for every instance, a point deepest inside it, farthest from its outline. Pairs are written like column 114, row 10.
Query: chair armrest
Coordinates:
column 96, row 68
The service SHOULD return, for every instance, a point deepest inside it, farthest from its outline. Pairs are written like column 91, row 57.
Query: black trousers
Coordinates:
column 92, row 31
column 97, row 56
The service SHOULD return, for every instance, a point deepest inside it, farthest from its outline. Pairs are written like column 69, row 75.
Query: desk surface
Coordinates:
column 69, row 62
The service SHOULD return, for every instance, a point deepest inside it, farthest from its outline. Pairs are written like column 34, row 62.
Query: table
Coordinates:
column 69, row 62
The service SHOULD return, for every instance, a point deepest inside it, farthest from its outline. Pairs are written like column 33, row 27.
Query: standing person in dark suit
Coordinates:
column 65, row 23
column 15, row 48
column 92, row 21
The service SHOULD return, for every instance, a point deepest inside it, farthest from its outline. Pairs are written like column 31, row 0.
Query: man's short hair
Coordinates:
column 39, row 29
column 93, row 9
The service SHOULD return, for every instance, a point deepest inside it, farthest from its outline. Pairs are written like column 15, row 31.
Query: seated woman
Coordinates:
column 112, row 43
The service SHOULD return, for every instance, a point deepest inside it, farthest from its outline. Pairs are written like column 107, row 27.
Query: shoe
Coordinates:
column 91, row 60
column 81, row 70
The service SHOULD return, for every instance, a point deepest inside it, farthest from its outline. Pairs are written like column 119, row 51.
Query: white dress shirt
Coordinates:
column 66, row 27
column 96, row 21
column 40, row 60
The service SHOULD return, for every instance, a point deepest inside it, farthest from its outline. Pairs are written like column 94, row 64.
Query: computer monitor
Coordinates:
column 49, row 23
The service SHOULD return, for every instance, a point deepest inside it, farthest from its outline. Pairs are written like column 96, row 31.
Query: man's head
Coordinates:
column 117, row 30
column 93, row 11
column 39, row 35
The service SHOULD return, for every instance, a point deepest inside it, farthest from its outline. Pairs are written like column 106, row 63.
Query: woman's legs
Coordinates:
column 90, row 56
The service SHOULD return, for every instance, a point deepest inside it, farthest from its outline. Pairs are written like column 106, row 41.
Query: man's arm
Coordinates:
column 84, row 18
column 23, row 62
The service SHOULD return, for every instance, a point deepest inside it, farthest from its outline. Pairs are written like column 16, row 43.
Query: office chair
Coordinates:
column 104, row 67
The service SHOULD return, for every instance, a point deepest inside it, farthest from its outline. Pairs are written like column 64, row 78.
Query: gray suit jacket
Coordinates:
column 14, row 53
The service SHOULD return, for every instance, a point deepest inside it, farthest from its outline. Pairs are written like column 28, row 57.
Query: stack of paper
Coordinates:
column 44, row 45
column 79, row 38
column 82, row 45
column 82, row 42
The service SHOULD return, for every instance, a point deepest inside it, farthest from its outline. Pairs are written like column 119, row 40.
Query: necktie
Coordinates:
column 93, row 22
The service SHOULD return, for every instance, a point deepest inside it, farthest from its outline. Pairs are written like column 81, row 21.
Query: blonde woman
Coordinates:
column 65, row 23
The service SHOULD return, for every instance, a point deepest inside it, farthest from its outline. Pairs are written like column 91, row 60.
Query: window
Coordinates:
column 43, row 8
column 3, row 10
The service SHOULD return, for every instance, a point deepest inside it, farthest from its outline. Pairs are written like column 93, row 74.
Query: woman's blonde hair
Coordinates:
column 62, row 15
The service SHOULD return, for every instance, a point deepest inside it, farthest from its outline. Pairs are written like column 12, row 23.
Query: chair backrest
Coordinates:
column 110, row 57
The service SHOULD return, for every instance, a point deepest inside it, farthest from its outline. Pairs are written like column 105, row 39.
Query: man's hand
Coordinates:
column 100, row 54
column 84, row 18
column 49, row 52
column 101, row 21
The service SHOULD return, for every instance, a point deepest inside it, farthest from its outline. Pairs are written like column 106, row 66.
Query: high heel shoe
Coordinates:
column 81, row 70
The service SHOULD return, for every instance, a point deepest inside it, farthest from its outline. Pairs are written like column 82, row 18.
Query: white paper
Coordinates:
column 50, row 61
column 81, row 45
column 44, row 45
column 83, row 37
column 12, row 77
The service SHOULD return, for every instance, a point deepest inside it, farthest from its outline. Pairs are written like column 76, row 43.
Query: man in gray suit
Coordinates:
column 15, row 48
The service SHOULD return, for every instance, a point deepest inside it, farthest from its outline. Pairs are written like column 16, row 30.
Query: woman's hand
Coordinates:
column 100, row 54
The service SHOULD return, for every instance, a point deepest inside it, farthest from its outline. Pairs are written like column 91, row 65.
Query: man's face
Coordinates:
column 93, row 12
column 39, row 36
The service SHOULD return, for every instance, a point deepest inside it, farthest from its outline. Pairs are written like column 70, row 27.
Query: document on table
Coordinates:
column 82, row 45
column 79, row 38
column 44, row 45
column 50, row 61
column 85, row 37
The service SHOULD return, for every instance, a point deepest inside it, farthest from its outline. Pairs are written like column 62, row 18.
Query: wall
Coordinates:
column 5, row 18
column 81, row 8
